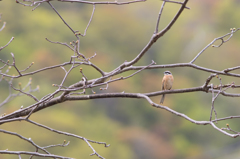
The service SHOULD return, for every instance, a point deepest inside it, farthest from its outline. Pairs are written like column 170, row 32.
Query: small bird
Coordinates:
column 167, row 83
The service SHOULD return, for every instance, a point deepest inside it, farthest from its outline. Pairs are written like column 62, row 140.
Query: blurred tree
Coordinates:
column 94, row 52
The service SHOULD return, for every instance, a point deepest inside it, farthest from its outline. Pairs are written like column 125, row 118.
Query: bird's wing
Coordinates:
column 163, row 84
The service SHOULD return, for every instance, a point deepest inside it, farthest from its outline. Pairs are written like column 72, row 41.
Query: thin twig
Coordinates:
column 175, row 2
column 159, row 16
column 7, row 44
column 216, row 39
column 94, row 3
column 89, row 21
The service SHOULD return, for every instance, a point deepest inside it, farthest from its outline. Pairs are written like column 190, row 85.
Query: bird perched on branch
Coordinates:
column 167, row 83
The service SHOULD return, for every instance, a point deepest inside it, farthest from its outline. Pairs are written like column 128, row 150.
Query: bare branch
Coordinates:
column 68, row 134
column 65, row 44
column 28, row 94
column 61, row 18
column 175, row 2
column 94, row 3
column 64, row 144
column 23, row 138
column 77, row 91
column 153, row 39
column 231, row 69
column 216, row 39
column 32, row 153
column 89, row 21
column 159, row 16
column 7, row 43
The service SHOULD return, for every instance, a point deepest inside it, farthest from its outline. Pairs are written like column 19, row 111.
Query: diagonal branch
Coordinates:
column 175, row 2
column 216, row 39
column 32, row 153
column 153, row 39
column 23, row 138
column 94, row 3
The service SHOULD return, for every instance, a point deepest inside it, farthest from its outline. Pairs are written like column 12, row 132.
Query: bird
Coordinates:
column 167, row 83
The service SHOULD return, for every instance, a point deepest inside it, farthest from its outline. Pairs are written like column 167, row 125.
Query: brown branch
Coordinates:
column 3, row 26
column 72, row 135
column 159, row 16
column 26, row 139
column 32, row 153
column 225, row 118
column 61, row 18
column 7, row 44
column 64, row 144
column 60, row 99
column 14, row 65
column 231, row 69
column 50, row 99
column 138, row 95
column 55, row 66
column 90, row 20
column 216, row 39
column 175, row 2
column 153, row 39
column 28, row 94
column 94, row 3
column 65, row 44
column 181, row 65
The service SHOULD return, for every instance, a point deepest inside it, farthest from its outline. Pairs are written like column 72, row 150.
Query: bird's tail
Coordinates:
column 162, row 99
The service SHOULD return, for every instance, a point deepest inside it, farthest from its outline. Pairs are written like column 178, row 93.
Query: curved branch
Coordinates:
column 61, row 99
column 94, row 3
column 32, row 153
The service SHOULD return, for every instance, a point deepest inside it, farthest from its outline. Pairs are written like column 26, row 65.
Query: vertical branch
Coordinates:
column 89, row 20
column 159, row 16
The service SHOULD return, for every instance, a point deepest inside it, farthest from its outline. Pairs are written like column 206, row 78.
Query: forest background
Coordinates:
column 116, row 34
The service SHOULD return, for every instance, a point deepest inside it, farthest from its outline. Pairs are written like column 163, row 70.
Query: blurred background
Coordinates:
column 134, row 129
